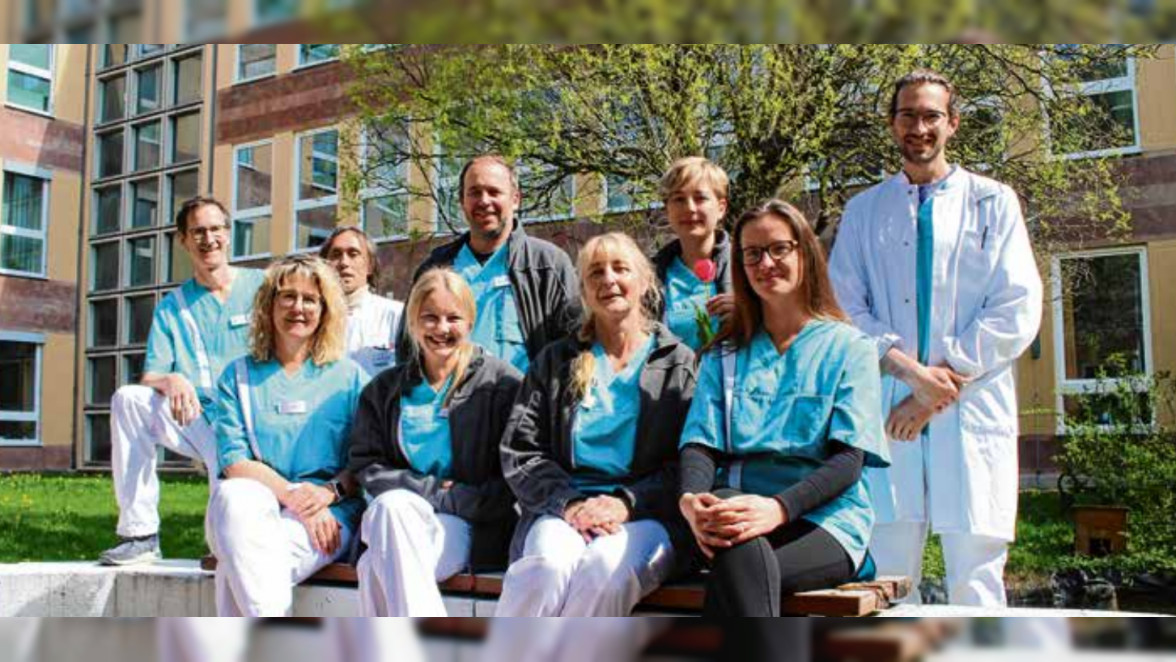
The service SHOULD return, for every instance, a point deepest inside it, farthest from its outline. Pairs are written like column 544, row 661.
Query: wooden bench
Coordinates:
column 850, row 600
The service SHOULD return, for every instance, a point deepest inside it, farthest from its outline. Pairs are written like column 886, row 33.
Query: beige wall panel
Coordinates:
column 1156, row 91
column 1161, row 269
column 589, row 195
column 282, row 229
column 57, row 379
column 222, row 177
column 226, row 57
column 65, row 191
column 69, row 83
column 1036, row 387
column 287, row 58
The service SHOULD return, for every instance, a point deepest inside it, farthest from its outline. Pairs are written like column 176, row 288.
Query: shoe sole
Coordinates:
column 149, row 557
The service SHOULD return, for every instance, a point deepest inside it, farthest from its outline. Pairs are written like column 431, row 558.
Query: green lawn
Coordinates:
column 54, row 518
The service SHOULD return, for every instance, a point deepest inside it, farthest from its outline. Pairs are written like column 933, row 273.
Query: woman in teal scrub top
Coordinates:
column 288, row 506
column 785, row 416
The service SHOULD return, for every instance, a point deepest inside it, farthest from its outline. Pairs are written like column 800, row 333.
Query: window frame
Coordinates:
column 239, row 78
column 303, row 63
column 1124, row 83
column 372, row 192
column 36, row 72
column 247, row 215
column 522, row 171
column 46, row 178
column 38, row 340
column 1071, row 387
column 309, row 204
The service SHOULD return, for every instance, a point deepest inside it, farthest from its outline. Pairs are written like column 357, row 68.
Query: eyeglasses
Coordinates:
column 212, row 230
column 753, row 255
column 290, row 299
column 912, row 118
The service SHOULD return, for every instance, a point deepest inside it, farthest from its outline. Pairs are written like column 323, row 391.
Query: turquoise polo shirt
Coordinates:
column 498, row 328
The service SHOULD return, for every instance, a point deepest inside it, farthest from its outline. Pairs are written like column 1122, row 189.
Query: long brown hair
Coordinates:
column 816, row 290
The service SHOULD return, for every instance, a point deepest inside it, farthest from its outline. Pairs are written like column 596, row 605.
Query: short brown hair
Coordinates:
column 373, row 256
column 190, row 207
column 491, row 158
column 925, row 77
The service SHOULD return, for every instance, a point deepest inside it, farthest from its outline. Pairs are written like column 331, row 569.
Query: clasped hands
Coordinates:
column 598, row 516
column 723, row 523
column 933, row 389
column 311, row 503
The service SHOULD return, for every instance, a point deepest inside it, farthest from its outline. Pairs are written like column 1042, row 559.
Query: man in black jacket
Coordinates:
column 526, row 288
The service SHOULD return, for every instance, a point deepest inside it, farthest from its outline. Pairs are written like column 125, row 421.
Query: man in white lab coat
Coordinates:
column 935, row 263
column 371, row 319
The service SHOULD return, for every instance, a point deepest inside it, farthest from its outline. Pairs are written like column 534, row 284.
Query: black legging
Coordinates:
column 748, row 579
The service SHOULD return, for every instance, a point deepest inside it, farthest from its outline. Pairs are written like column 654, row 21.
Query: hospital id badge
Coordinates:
column 500, row 281
column 443, row 414
column 383, row 357
column 292, row 407
column 238, row 321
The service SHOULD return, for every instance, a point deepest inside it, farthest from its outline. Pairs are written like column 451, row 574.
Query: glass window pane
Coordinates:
column 104, row 266
column 1116, row 117
column 251, row 236
column 98, row 438
column 140, row 261
column 104, row 323
column 126, row 29
column 110, row 154
column 18, row 377
column 21, row 253
column 187, row 80
column 185, row 138
column 149, row 49
column 312, row 53
column 113, row 94
column 318, row 167
column 179, row 265
column 133, row 368
column 254, row 176
column 114, row 54
column 29, row 91
column 147, row 146
column 386, row 216
column 315, row 225
column 144, row 203
column 255, row 60
column 33, row 55
column 103, row 378
column 184, row 186
column 1103, row 317
column 269, row 11
column 19, row 431
column 138, row 316
column 149, row 81
column 107, row 209
column 24, row 199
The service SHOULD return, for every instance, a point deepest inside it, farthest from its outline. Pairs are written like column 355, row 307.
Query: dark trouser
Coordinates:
column 748, row 579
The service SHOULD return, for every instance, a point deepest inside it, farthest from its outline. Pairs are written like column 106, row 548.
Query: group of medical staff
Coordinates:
column 737, row 402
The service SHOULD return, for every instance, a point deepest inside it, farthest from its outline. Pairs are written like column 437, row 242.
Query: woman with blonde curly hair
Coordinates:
column 287, row 506
column 590, row 450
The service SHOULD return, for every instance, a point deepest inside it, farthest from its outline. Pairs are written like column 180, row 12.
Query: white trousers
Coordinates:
column 561, row 575
column 262, row 550
column 373, row 640
column 410, row 549
column 141, row 422
column 1038, row 633
column 571, row 639
column 202, row 639
column 974, row 564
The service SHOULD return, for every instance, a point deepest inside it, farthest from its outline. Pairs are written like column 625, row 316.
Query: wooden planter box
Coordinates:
column 1100, row 530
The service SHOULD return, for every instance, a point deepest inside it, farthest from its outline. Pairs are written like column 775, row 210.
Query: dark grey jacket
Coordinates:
column 546, row 289
column 537, row 455
column 664, row 258
column 478, row 413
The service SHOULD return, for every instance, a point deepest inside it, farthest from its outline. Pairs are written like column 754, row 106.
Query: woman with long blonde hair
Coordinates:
column 590, row 450
column 425, row 451
column 786, row 415
column 287, row 506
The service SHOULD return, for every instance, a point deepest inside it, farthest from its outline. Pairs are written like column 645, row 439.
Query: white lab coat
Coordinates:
column 371, row 332
column 986, row 309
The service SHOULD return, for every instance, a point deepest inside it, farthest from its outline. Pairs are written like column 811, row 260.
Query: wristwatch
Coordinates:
column 336, row 487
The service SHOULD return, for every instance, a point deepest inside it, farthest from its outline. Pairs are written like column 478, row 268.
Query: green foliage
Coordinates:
column 793, row 120
column 1120, row 449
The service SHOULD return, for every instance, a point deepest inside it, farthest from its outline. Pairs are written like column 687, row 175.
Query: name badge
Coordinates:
column 383, row 358
column 238, row 320
column 500, row 281
column 291, row 407
column 444, row 413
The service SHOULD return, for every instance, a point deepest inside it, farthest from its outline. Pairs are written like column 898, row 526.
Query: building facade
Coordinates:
column 131, row 130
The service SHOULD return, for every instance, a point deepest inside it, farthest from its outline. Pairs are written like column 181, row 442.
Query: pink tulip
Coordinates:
column 706, row 270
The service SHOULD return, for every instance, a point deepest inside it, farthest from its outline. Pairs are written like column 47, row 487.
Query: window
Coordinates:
column 1101, row 322
column 114, row 54
column 384, row 209
column 185, row 138
column 146, row 146
column 252, row 211
column 309, row 54
column 183, row 186
column 107, row 209
column 187, row 79
column 148, row 84
column 179, row 264
column 256, row 61
column 140, row 261
column 23, row 224
column 150, row 49
column 104, row 323
column 1112, row 124
column 30, row 77
column 112, row 95
column 102, row 380
column 448, row 212
column 557, row 203
column 20, row 388
column 104, row 266
column 110, row 153
column 317, row 156
column 273, row 11
column 144, row 203
column 139, row 311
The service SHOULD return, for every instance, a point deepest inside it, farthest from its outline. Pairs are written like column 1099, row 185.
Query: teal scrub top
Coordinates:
column 302, row 422
column 498, row 328
column 604, row 428
column 786, row 409
column 224, row 333
column 925, row 256
column 424, row 430
column 685, row 294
